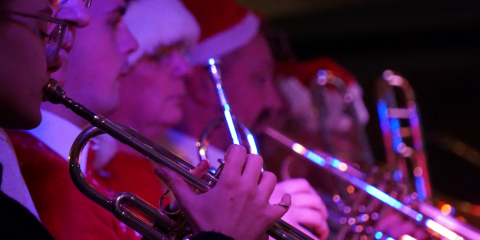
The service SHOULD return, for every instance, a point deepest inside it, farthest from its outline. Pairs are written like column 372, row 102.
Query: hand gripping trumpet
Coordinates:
column 147, row 220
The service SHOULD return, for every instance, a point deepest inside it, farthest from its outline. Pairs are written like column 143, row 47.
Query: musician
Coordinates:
column 150, row 94
column 24, row 25
column 295, row 78
column 231, row 33
column 94, row 65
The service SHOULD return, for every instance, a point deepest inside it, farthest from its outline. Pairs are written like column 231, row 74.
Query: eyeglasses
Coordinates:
column 54, row 35
column 60, row 3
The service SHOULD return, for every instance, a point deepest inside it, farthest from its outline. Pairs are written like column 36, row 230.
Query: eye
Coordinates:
column 115, row 21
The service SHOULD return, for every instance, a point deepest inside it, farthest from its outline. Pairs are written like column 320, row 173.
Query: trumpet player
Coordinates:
column 231, row 33
column 29, row 55
column 90, row 74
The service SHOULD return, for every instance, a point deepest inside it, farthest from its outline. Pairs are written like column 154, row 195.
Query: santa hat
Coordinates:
column 226, row 27
column 160, row 22
column 304, row 72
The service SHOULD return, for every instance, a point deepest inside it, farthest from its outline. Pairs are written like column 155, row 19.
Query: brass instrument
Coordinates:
column 402, row 135
column 128, row 208
column 232, row 123
column 318, row 88
column 357, row 212
column 420, row 212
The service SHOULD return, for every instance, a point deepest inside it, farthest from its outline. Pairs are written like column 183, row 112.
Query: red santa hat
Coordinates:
column 305, row 71
column 225, row 27
column 294, row 72
column 160, row 22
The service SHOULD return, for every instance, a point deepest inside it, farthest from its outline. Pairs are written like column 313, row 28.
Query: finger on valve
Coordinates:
column 238, row 209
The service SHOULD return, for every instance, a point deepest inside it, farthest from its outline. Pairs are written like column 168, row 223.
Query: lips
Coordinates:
column 68, row 40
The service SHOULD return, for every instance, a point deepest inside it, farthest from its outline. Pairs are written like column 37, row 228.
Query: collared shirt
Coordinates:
column 59, row 134
column 185, row 147
column 12, row 182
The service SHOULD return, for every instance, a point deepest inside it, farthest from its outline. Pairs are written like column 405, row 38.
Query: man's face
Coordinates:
column 23, row 67
column 248, row 82
column 100, row 57
column 152, row 93
column 77, row 15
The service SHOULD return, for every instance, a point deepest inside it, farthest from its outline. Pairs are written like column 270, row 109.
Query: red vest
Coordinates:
column 64, row 211
column 129, row 173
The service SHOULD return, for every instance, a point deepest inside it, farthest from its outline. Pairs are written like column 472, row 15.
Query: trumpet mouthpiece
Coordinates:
column 53, row 93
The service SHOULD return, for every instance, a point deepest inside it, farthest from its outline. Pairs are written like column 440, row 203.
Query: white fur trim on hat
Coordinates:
column 227, row 41
column 160, row 22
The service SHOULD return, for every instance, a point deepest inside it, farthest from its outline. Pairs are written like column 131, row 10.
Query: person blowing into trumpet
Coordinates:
column 31, row 51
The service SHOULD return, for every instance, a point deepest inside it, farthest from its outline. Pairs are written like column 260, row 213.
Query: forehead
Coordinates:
column 255, row 56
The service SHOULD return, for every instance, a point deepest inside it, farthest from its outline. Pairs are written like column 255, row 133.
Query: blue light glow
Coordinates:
column 315, row 158
column 419, row 217
column 378, row 235
column 363, row 217
column 395, row 129
column 231, row 127
column 252, row 144
column 389, row 238
column 335, row 163
column 383, row 197
column 211, row 61
column 382, row 114
column 420, row 185
column 397, row 175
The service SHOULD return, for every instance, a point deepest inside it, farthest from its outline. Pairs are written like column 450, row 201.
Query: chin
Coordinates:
column 22, row 121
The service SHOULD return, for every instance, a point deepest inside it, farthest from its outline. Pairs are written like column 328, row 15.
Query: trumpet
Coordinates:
column 231, row 121
column 128, row 208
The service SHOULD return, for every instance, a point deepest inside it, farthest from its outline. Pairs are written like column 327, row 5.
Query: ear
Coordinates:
column 200, row 87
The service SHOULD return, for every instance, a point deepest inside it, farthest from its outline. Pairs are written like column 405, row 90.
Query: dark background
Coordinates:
column 433, row 44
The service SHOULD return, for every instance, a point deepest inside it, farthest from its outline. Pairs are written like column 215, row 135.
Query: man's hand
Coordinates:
column 238, row 204
column 395, row 225
column 307, row 207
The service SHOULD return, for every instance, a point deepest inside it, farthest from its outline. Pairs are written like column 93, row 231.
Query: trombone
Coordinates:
column 128, row 208
column 392, row 110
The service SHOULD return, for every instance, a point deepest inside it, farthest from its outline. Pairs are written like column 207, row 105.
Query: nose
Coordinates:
column 128, row 43
column 181, row 66
column 75, row 12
